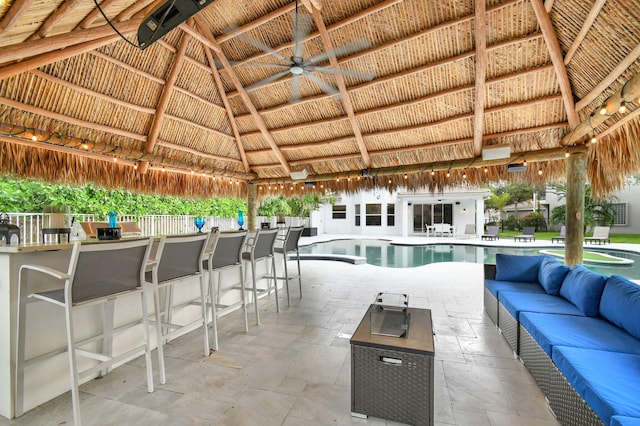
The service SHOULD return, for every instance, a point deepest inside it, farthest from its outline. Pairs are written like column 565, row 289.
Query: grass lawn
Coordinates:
column 615, row 238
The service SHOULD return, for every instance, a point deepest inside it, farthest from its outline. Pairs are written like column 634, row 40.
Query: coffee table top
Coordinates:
column 419, row 336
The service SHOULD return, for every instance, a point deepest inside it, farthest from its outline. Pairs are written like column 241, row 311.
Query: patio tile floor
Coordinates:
column 294, row 369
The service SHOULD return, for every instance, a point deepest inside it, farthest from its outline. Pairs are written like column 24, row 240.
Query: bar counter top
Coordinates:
column 33, row 247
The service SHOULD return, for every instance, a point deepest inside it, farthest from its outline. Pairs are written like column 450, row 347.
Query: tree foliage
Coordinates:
column 596, row 212
column 30, row 196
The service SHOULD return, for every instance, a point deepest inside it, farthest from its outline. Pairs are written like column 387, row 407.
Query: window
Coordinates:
column 339, row 212
column 620, row 210
column 391, row 214
column 357, row 214
column 374, row 214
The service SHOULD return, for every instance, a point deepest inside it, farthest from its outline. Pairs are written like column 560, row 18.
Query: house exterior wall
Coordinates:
column 629, row 195
column 465, row 207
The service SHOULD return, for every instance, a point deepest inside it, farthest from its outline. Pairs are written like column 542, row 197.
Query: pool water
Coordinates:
column 382, row 253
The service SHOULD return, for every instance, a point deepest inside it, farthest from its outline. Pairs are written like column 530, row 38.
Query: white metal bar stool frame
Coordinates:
column 225, row 254
column 177, row 259
column 260, row 247
column 98, row 274
column 289, row 244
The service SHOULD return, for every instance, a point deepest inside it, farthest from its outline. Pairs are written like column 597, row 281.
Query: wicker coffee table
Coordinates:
column 392, row 377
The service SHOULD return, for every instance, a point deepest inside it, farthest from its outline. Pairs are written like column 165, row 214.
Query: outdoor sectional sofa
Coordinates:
column 577, row 331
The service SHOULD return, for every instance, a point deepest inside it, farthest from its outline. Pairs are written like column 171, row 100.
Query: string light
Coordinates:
column 405, row 176
column 567, row 155
column 448, row 174
column 115, row 159
column 486, row 170
column 525, row 162
column 594, row 139
column 603, row 110
column 34, row 138
column 135, row 166
column 540, row 172
column 623, row 107
column 464, row 175
column 433, row 173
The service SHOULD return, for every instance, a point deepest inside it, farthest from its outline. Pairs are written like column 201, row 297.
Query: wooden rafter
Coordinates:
column 18, row 7
column 405, row 73
column 245, row 96
column 95, row 13
column 344, row 95
column 532, row 157
column 47, row 58
column 556, row 58
column 627, row 93
column 65, row 41
column 610, row 78
column 57, row 15
column 586, row 26
column 361, row 15
column 130, row 11
column 227, row 107
column 390, row 44
column 481, row 74
column 164, row 100
column 410, row 102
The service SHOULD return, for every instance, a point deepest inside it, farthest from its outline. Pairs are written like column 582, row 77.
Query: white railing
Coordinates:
column 30, row 224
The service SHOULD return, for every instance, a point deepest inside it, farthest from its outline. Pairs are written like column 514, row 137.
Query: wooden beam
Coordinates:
column 609, row 79
column 88, row 20
column 556, row 58
column 128, row 67
column 196, row 153
column 227, row 107
column 130, row 11
column 66, row 7
column 93, row 93
column 360, row 15
column 392, row 43
column 163, row 102
column 47, row 58
column 627, row 93
column 416, row 101
column 344, row 95
column 16, row 10
column 245, row 96
column 624, row 120
column 548, row 5
column 64, row 41
column 71, row 120
column 481, row 74
column 197, row 125
column 586, row 26
column 392, row 77
column 235, row 32
column 532, row 157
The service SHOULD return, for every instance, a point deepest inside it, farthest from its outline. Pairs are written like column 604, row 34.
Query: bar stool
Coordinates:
column 260, row 247
column 177, row 259
column 225, row 254
column 289, row 244
column 98, row 274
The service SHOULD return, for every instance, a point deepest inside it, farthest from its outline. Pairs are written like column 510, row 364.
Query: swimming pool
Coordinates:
column 383, row 253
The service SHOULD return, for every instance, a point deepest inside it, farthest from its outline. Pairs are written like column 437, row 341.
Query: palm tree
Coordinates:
column 596, row 212
column 498, row 201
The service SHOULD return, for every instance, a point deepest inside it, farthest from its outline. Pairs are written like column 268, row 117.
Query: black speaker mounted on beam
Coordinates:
column 166, row 17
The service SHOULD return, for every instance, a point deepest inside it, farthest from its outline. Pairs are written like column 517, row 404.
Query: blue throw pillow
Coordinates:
column 620, row 304
column 583, row 288
column 551, row 275
column 511, row 267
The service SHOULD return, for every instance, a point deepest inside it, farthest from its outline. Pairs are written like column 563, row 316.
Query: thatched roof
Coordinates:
column 449, row 78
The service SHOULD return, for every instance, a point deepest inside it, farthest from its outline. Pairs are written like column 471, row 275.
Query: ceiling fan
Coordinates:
column 297, row 66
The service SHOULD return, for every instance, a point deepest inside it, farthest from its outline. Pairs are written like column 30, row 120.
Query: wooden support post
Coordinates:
column 576, row 176
column 252, row 207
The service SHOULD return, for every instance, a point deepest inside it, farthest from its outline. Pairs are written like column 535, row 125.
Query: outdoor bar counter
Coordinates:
column 46, row 328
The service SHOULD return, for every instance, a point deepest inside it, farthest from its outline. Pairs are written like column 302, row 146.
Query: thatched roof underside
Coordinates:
column 428, row 87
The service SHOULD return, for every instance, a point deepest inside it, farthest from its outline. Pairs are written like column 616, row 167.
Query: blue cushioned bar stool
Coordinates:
column 98, row 274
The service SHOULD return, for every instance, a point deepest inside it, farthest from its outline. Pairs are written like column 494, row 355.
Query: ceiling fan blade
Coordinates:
column 264, row 47
column 264, row 65
column 324, row 86
column 360, row 74
column 267, row 80
column 295, row 90
column 302, row 27
column 356, row 46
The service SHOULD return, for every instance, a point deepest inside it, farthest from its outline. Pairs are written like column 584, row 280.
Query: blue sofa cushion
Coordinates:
column 608, row 390
column 551, row 275
column 583, row 288
column 516, row 303
column 625, row 421
column 495, row 287
column 551, row 330
column 620, row 304
column 511, row 267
